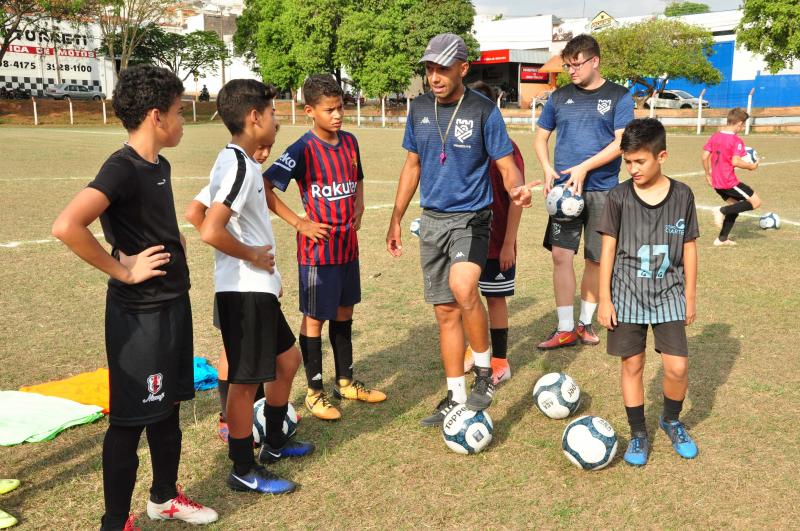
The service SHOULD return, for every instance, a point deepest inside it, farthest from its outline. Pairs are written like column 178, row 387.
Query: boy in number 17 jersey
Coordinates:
column 326, row 164
column 648, row 278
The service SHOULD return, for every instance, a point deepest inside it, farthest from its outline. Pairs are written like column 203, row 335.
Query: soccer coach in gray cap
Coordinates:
column 452, row 134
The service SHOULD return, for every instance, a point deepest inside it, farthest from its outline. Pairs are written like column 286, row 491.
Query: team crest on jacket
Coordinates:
column 603, row 106
column 154, row 383
column 463, row 129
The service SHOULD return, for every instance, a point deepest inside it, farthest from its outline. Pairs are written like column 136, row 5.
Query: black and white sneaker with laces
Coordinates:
column 482, row 392
column 441, row 411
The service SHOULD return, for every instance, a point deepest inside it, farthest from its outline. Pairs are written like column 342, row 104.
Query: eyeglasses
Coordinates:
column 575, row 66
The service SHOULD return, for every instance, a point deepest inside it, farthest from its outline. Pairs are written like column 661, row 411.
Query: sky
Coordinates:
column 588, row 8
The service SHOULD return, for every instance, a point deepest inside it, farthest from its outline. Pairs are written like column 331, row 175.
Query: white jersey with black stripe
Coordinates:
column 236, row 182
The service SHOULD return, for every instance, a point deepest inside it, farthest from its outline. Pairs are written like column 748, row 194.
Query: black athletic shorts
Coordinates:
column 254, row 332
column 150, row 361
column 628, row 339
column 567, row 234
column 740, row 192
column 497, row 283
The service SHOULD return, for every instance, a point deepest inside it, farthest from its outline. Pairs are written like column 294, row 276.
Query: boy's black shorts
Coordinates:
column 740, row 192
column 628, row 339
column 150, row 361
column 254, row 332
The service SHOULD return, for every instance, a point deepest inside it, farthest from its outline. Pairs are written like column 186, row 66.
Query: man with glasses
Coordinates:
column 590, row 115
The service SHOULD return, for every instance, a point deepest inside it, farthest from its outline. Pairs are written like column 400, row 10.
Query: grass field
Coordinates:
column 377, row 468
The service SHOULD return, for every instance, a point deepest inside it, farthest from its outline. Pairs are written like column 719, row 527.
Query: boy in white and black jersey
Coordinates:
column 148, row 314
column 648, row 278
column 258, row 341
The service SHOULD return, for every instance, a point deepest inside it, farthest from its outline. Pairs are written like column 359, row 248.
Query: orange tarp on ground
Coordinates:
column 90, row 388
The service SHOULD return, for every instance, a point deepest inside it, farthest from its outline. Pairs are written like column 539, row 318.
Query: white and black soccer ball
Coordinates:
column 750, row 156
column 557, row 395
column 562, row 204
column 466, row 431
column 770, row 220
column 414, row 228
column 260, row 422
column 589, row 442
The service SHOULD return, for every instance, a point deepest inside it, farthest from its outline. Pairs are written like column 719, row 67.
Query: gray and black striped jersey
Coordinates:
column 647, row 283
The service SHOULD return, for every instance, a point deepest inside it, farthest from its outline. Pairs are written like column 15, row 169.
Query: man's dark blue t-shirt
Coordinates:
column 478, row 136
column 585, row 121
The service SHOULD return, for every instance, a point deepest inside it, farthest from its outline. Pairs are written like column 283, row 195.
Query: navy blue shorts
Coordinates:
column 496, row 283
column 324, row 288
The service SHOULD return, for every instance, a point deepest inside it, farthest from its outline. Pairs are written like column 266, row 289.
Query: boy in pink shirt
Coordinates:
column 722, row 153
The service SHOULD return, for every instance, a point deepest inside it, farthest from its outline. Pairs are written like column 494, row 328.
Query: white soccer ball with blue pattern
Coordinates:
column 770, row 220
column 557, row 395
column 414, row 228
column 260, row 422
column 562, row 204
column 466, row 431
column 589, row 442
column 751, row 155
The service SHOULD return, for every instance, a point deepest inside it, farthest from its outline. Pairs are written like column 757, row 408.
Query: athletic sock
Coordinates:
column 499, row 342
column 240, row 451
column 587, row 311
column 274, row 416
column 223, row 398
column 636, row 419
column 736, row 208
column 164, row 439
column 566, row 318
column 482, row 359
column 341, row 336
column 727, row 226
column 120, row 463
column 672, row 409
column 311, row 348
column 458, row 386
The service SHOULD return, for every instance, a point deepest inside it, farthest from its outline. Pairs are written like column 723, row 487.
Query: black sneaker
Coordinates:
column 482, row 389
column 441, row 411
column 292, row 448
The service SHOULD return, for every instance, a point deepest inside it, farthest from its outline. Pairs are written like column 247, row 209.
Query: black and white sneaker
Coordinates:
column 482, row 392
column 441, row 411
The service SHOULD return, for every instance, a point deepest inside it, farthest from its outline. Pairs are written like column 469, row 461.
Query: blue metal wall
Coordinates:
column 771, row 91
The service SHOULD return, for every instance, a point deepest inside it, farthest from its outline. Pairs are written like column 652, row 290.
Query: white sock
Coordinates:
column 566, row 319
column 587, row 311
column 482, row 359
column 458, row 386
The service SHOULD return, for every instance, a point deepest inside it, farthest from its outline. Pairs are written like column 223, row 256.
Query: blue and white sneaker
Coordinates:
column 638, row 450
column 292, row 448
column 260, row 480
column 681, row 441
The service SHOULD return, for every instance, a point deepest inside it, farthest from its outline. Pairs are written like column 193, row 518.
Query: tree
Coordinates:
column 18, row 16
column 189, row 54
column 677, row 9
column 122, row 24
column 771, row 28
column 381, row 41
column 652, row 51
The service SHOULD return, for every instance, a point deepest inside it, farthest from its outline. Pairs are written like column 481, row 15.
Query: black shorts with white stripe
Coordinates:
column 497, row 283
column 740, row 192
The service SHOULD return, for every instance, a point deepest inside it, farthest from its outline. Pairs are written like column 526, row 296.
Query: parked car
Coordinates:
column 540, row 99
column 674, row 99
column 350, row 99
column 73, row 91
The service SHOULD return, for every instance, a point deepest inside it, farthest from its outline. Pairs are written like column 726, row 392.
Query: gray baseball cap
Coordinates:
column 445, row 49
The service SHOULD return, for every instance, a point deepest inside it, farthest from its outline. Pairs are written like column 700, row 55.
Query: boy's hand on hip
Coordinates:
column 315, row 231
column 262, row 258
column 607, row 315
column 144, row 266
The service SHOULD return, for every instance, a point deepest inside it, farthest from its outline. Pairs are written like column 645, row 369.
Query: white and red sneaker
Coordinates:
column 130, row 524
column 181, row 508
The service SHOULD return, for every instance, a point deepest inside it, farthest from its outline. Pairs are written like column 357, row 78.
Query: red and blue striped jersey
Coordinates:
column 327, row 176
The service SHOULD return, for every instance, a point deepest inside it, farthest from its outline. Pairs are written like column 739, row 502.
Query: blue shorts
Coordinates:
column 324, row 288
column 496, row 283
